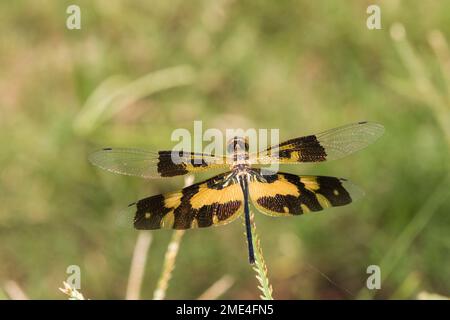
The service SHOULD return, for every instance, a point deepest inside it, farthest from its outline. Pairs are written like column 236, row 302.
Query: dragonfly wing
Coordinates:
column 147, row 164
column 213, row 202
column 329, row 145
column 285, row 194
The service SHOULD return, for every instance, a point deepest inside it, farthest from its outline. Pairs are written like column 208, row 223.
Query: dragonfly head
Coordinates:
column 238, row 145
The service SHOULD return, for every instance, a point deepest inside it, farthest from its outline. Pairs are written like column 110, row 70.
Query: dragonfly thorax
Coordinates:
column 241, row 168
column 238, row 147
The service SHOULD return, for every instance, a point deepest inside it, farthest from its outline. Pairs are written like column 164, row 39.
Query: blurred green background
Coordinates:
column 137, row 70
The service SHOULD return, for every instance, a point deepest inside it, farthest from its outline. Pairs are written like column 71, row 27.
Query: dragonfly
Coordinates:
column 224, row 197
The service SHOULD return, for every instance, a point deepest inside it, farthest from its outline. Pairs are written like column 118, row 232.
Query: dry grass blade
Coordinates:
column 116, row 94
column 426, row 90
column 169, row 265
column 410, row 232
column 14, row 291
column 423, row 295
column 73, row 293
column 138, row 265
column 218, row 288
column 170, row 257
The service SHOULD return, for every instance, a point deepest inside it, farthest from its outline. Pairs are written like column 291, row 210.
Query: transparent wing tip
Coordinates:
column 125, row 217
column 355, row 192
column 374, row 129
column 98, row 156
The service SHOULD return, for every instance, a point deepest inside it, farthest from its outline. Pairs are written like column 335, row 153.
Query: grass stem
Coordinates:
column 170, row 257
column 260, row 266
column 138, row 262
column 169, row 265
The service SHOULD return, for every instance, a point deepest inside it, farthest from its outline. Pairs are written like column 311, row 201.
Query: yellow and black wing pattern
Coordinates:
column 329, row 145
column 285, row 194
column 161, row 164
column 214, row 202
